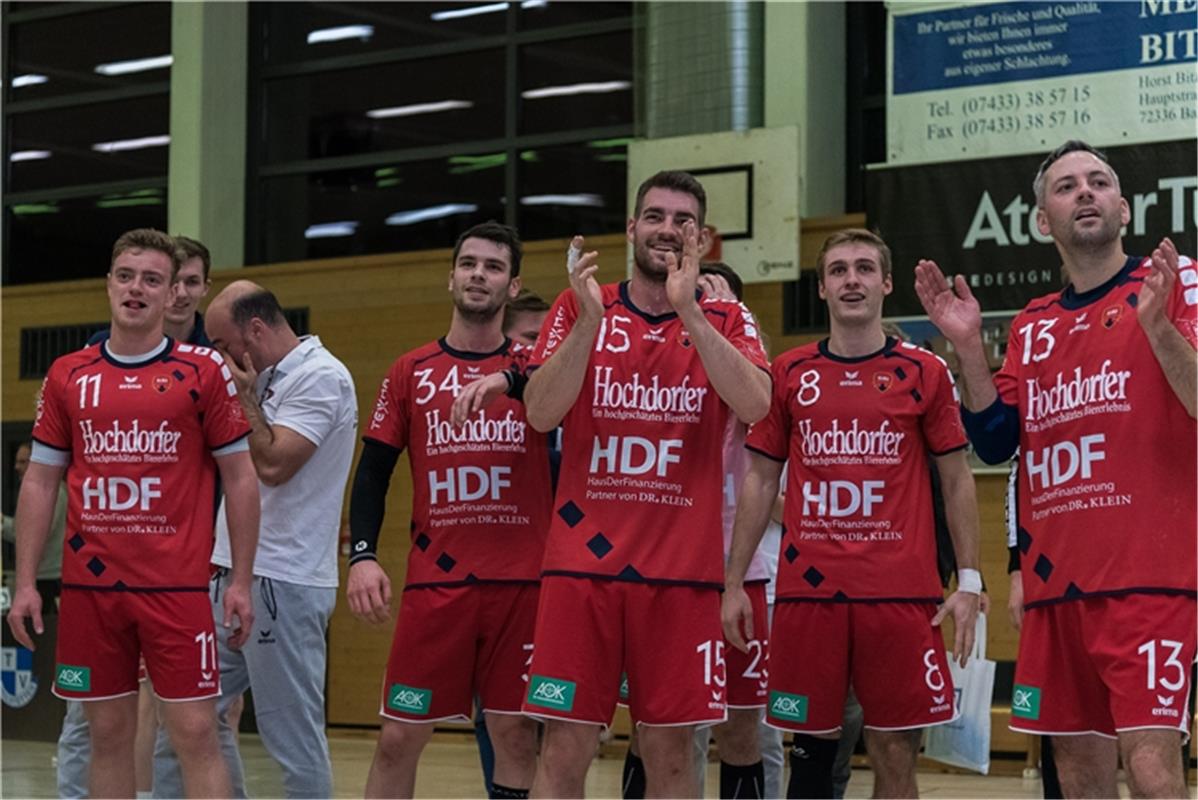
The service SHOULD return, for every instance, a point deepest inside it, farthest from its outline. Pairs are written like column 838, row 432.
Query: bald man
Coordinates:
column 302, row 410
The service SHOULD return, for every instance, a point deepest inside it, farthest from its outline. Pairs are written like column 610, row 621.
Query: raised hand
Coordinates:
column 682, row 277
column 477, row 395
column 582, row 271
column 1155, row 291
column 956, row 313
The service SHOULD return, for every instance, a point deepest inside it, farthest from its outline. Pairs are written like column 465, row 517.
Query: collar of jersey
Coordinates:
column 626, row 300
column 1073, row 299
column 826, row 353
column 470, row 356
column 297, row 355
column 152, row 357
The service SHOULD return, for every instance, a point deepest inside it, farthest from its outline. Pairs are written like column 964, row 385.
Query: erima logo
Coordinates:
column 1165, row 710
column 1079, row 323
column 551, row 693
column 852, row 378
column 1025, row 702
column 73, row 679
column 654, row 335
column 791, row 707
column 406, row 698
column 130, row 382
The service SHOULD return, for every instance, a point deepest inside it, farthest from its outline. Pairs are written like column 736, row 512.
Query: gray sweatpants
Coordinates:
column 74, row 753
column 284, row 662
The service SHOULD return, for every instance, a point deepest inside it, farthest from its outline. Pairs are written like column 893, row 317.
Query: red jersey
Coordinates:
column 481, row 492
column 1107, row 451
column 641, row 486
column 140, row 475
column 856, row 434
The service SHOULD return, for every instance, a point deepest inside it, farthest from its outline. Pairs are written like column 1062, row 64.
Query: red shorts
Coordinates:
column 102, row 636
column 454, row 642
column 889, row 652
column 748, row 673
column 1105, row 664
column 667, row 639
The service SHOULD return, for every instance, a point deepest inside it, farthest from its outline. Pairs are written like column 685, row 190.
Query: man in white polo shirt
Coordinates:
column 300, row 403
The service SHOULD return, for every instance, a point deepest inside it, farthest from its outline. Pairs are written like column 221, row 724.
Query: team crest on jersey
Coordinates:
column 684, row 338
column 1111, row 316
column 882, row 381
column 162, row 383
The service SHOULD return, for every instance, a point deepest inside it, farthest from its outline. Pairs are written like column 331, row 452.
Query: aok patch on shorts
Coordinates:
column 1025, row 702
column 73, row 679
column 409, row 699
column 792, row 707
column 552, row 693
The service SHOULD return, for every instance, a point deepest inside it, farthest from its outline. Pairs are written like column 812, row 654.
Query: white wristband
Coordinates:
column 969, row 580
column 572, row 256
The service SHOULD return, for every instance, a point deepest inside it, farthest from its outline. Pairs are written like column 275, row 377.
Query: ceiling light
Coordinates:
column 360, row 32
column 131, row 144
column 28, row 80
column 469, row 11
column 433, row 212
column 562, row 200
column 29, row 155
column 418, row 108
column 576, row 88
column 135, row 65
column 330, row 230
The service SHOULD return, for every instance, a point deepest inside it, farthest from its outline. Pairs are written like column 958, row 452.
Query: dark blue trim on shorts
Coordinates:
column 562, row 573
column 1159, row 590
column 135, row 589
column 932, row 600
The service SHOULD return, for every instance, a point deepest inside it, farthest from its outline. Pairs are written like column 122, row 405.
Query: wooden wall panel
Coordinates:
column 368, row 310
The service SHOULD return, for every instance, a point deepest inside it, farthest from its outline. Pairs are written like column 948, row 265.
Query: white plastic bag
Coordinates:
column 965, row 742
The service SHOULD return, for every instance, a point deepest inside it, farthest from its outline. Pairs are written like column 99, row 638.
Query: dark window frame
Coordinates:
column 14, row 14
column 511, row 143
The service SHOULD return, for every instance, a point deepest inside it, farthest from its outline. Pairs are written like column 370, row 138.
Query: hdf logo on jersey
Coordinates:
column 409, row 699
column 18, row 686
column 551, row 693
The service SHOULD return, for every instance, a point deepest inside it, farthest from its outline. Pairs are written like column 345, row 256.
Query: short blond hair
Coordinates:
column 148, row 239
column 854, row 236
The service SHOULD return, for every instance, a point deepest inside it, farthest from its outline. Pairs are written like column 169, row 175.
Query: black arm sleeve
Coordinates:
column 368, row 500
column 1012, row 559
column 993, row 431
column 516, row 381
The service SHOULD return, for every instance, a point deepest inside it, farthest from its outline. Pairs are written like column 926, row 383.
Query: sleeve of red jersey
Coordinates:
column 740, row 328
column 389, row 419
column 1006, row 380
column 1183, row 305
column 942, row 428
column 224, row 423
column 770, row 436
column 557, row 325
column 52, row 425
